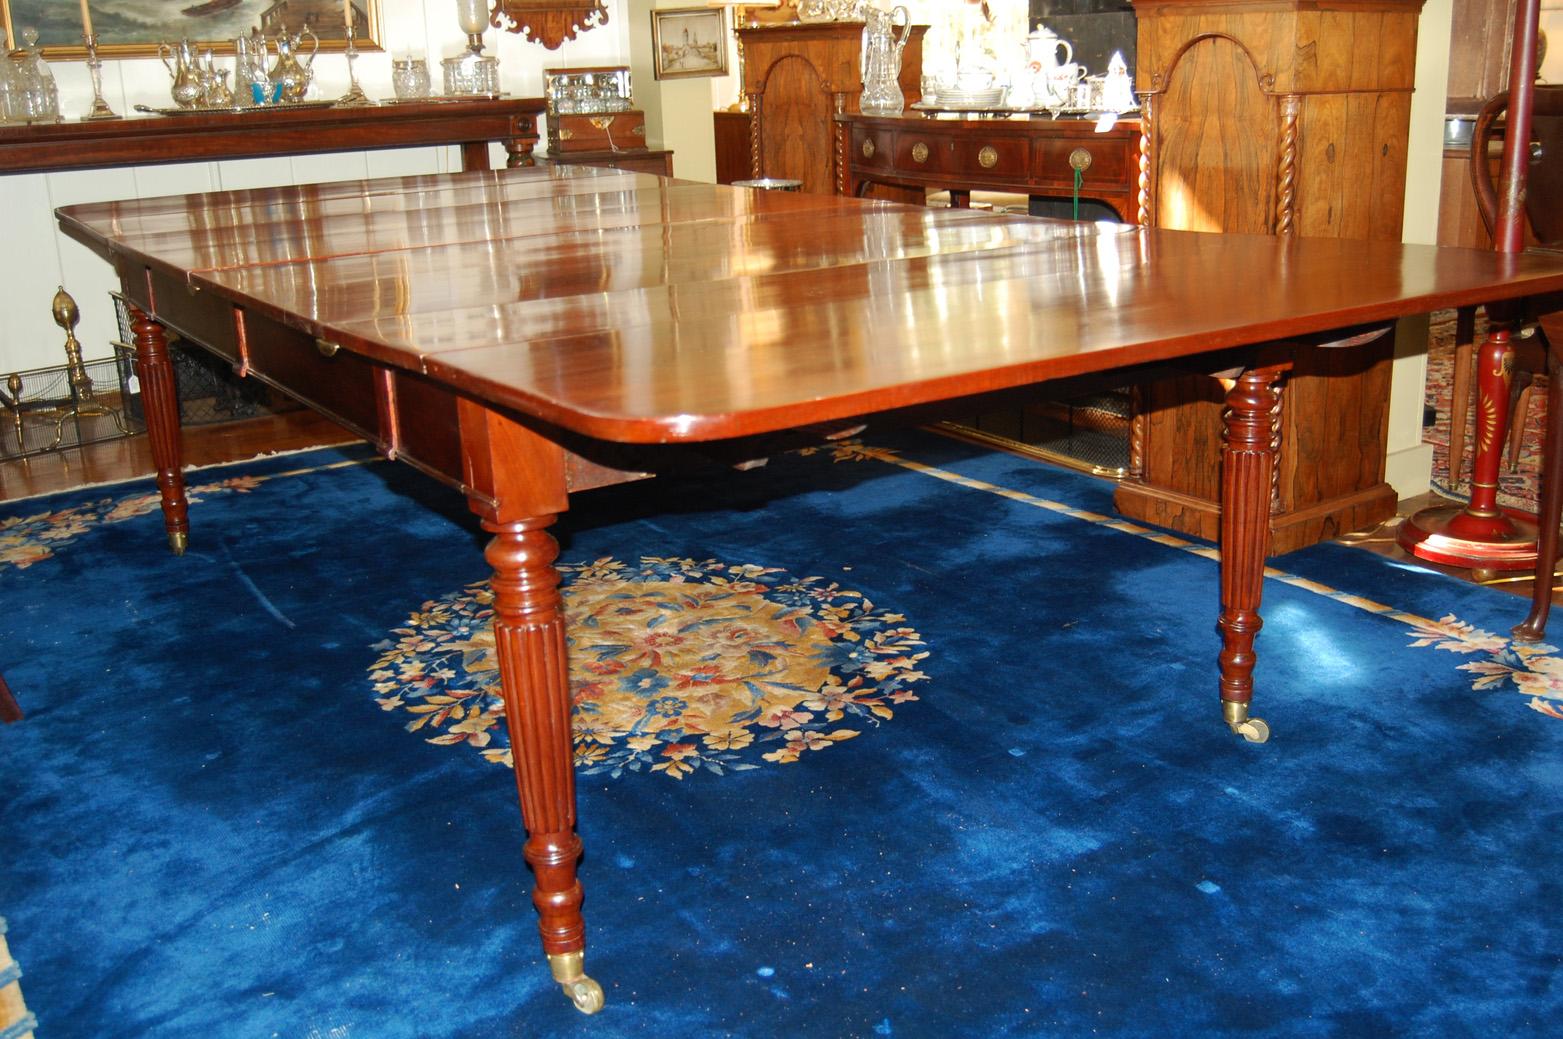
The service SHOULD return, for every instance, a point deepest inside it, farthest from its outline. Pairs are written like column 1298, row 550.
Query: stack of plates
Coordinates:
column 987, row 98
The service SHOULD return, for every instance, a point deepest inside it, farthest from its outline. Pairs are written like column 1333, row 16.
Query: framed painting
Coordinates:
column 134, row 28
column 688, row 41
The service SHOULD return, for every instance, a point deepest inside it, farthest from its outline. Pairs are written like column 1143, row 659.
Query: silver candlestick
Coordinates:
column 355, row 94
column 100, row 107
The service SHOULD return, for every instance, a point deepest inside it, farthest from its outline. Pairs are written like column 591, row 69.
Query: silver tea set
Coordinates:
column 257, row 78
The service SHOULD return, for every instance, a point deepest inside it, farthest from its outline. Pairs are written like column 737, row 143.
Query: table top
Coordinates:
column 633, row 308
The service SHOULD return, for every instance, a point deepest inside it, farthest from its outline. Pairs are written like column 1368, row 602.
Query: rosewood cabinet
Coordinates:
column 1285, row 117
column 797, row 79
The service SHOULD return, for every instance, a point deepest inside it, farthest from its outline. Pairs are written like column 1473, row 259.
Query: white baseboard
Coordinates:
column 1410, row 470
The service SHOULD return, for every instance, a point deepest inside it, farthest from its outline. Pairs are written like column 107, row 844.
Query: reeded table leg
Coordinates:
column 534, row 672
column 517, row 485
column 160, row 402
column 1247, row 468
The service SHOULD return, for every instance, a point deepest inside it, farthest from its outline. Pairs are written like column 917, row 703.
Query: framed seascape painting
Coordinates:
column 134, row 28
column 689, row 41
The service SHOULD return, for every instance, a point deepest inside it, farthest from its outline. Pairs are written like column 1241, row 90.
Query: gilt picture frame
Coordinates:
column 134, row 28
column 688, row 42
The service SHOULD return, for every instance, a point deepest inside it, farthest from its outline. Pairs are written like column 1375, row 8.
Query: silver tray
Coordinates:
column 440, row 99
column 1067, row 110
column 282, row 106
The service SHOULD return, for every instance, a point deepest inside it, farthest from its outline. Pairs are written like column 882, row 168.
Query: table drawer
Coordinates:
column 921, row 153
column 428, row 432
column 872, row 149
column 340, row 386
column 998, row 157
column 1111, row 160
column 201, row 317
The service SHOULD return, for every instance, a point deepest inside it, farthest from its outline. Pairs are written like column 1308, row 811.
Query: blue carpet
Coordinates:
column 911, row 739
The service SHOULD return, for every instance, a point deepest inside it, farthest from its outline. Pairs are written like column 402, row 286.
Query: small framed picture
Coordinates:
column 689, row 41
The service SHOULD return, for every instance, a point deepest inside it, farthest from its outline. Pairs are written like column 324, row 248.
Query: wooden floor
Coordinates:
column 128, row 457
column 124, row 458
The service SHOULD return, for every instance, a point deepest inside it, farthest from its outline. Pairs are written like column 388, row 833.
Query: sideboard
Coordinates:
column 282, row 130
column 39, row 151
column 1024, row 156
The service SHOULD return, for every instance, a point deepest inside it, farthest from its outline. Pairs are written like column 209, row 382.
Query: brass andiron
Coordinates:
column 13, row 404
column 83, row 403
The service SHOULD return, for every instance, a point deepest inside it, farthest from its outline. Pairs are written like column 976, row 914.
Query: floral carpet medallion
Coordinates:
column 677, row 666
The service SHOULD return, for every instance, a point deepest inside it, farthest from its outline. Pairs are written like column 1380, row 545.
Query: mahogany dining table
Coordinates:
column 524, row 334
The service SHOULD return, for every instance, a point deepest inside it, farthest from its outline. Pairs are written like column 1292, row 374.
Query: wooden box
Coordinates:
column 596, row 131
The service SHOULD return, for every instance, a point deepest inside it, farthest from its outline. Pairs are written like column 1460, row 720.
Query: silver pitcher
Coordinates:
column 293, row 69
column 180, row 61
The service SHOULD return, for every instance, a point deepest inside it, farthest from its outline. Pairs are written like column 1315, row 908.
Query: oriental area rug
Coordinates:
column 891, row 737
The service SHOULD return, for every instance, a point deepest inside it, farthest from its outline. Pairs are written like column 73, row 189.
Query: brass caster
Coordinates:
column 1254, row 730
column 586, row 994
column 569, row 971
column 178, row 541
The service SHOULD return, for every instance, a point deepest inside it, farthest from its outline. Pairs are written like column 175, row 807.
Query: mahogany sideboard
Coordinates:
column 710, row 316
column 1025, row 156
column 146, row 140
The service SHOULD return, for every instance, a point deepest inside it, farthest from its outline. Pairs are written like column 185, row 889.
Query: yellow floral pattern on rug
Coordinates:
column 1534, row 668
column 677, row 666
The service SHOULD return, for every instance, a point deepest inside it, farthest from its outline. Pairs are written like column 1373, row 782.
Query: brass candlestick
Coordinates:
column 100, row 107
column 84, row 404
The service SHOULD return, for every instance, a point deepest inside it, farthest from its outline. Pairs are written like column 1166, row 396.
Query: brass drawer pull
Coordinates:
column 1080, row 159
column 919, row 152
column 868, row 149
column 988, row 157
column 327, row 348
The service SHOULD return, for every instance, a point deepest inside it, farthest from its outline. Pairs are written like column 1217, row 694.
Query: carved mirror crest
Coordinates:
column 549, row 22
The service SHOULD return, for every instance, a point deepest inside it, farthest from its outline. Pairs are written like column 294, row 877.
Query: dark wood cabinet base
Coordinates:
column 1332, row 416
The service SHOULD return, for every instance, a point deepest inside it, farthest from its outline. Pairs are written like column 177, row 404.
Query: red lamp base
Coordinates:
column 1452, row 536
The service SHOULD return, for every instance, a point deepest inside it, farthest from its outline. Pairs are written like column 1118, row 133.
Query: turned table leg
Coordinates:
column 160, row 403
column 1247, row 467
column 534, row 672
column 517, row 485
